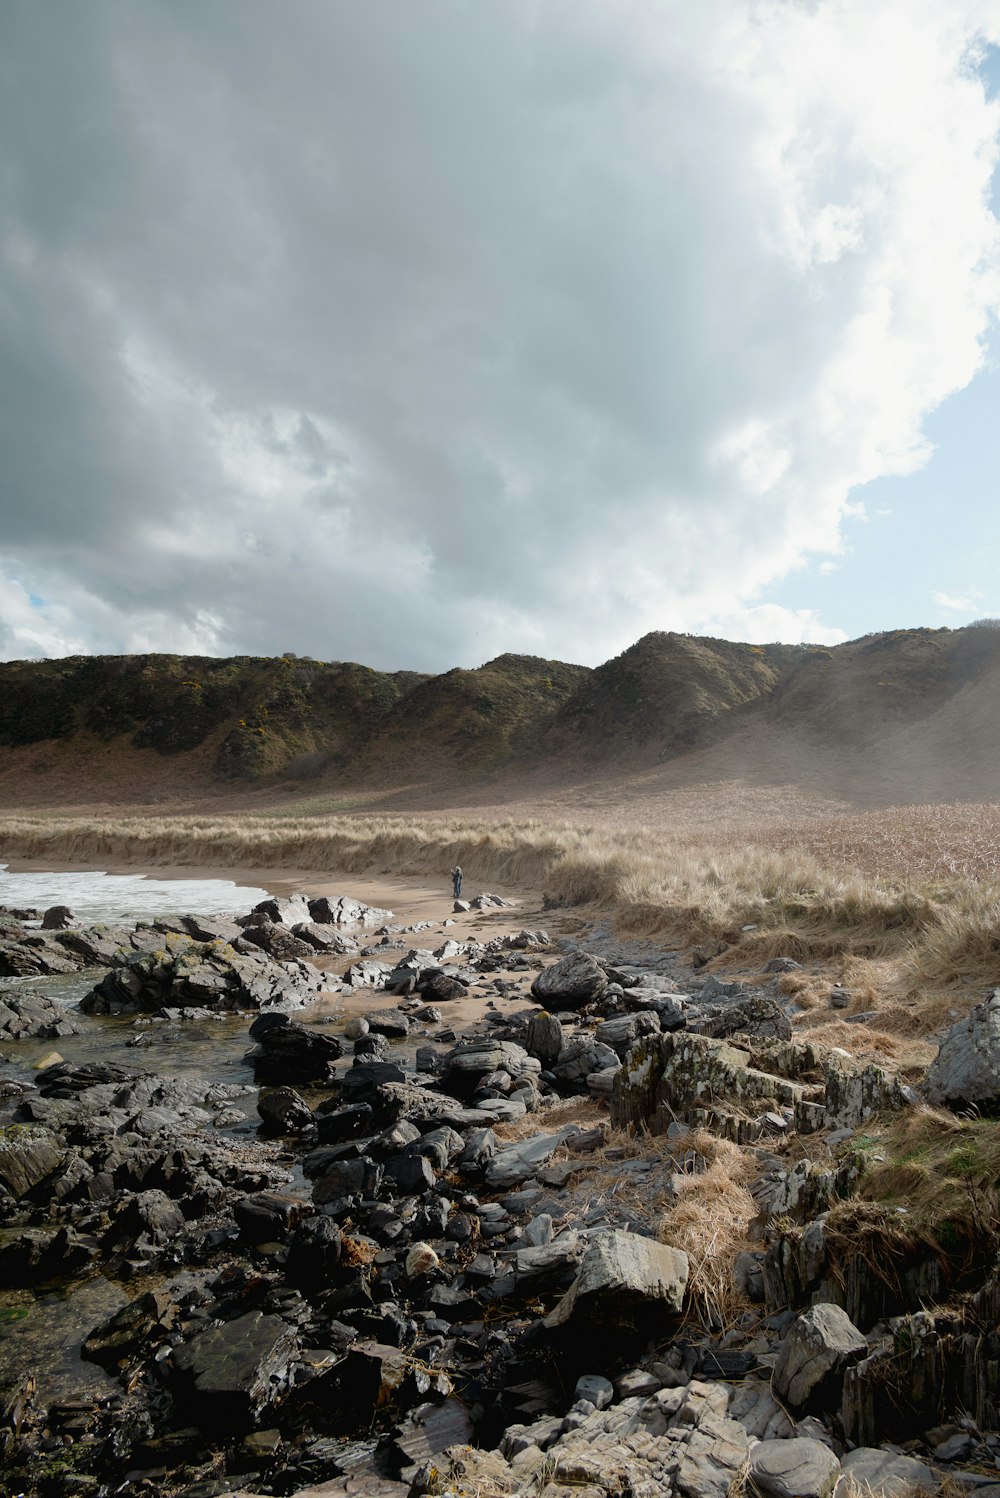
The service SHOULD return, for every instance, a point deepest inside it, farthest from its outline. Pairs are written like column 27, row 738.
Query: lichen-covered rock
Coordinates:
column 685, row 1077
column 855, row 1094
column 966, row 1070
column 211, row 975
column 544, row 1039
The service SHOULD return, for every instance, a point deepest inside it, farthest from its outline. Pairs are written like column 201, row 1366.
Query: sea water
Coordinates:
column 95, row 896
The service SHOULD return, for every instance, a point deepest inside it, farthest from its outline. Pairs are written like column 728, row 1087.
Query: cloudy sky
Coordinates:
column 412, row 331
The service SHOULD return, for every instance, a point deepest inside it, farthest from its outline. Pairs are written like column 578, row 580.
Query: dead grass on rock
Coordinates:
column 711, row 1221
column 904, row 1055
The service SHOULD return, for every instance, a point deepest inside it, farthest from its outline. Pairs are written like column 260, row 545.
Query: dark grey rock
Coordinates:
column 571, row 983
column 269, row 1216
column 227, row 1375
column 288, row 1053
column 58, row 918
column 545, row 1038
column 283, row 1111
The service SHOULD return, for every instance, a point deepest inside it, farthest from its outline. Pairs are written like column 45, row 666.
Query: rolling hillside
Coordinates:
column 908, row 712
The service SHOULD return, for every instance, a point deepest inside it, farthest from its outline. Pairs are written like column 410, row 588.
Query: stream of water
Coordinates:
column 42, row 1330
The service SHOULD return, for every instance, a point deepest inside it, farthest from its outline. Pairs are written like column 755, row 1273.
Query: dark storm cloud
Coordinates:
column 415, row 333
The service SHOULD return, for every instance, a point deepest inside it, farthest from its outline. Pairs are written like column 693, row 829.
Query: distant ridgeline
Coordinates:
column 252, row 719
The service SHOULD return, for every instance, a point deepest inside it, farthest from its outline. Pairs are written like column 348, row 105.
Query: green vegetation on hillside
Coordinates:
column 668, row 693
column 257, row 719
column 260, row 714
column 481, row 719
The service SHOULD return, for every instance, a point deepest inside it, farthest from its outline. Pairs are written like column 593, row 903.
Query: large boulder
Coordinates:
column 966, row 1070
column 571, row 983
column 797, row 1468
column 288, row 1054
column 624, row 1283
column 58, row 918
column 226, row 1375
column 818, row 1347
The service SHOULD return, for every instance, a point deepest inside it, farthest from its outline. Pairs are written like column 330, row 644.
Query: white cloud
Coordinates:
column 496, row 328
column 958, row 604
column 767, row 622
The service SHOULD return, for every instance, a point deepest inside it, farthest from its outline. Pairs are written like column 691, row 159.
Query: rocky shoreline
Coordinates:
column 435, row 1268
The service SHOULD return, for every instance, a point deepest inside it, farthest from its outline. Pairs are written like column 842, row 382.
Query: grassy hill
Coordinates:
column 905, row 706
column 256, row 715
column 669, row 693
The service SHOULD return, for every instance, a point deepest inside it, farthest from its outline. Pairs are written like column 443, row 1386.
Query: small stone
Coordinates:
column 420, row 1259
column 599, row 1391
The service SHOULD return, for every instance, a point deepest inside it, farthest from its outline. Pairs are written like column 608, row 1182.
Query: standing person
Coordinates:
column 456, row 880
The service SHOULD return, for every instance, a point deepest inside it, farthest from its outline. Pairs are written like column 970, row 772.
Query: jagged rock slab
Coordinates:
column 27, row 1157
column 966, row 1070
column 817, row 1349
column 35, row 1016
column 226, row 1375
column 624, row 1279
column 680, row 1076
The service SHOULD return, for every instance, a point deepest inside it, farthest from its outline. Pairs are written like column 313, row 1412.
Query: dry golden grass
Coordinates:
column 706, row 1212
column 711, row 1221
column 931, row 917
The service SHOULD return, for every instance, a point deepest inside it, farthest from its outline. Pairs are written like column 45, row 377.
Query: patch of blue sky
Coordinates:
column 927, row 549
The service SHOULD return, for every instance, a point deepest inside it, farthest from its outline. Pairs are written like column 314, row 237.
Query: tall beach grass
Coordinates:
column 760, row 900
